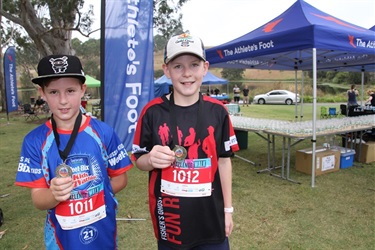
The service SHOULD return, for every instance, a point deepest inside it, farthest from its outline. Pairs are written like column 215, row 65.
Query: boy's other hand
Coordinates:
column 161, row 157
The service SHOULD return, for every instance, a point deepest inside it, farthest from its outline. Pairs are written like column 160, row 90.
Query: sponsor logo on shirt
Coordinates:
column 25, row 168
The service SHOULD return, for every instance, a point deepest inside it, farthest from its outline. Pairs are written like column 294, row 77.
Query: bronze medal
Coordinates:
column 63, row 170
column 180, row 153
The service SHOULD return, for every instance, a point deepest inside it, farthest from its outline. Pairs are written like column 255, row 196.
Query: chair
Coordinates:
column 96, row 108
column 323, row 113
column 20, row 108
column 29, row 112
column 45, row 108
column 332, row 112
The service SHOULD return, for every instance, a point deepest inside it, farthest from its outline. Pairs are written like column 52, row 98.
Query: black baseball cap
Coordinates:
column 56, row 66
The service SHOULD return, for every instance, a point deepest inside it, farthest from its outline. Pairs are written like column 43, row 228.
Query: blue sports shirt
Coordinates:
column 88, row 219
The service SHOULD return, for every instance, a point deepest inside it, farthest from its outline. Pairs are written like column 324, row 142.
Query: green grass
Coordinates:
column 270, row 213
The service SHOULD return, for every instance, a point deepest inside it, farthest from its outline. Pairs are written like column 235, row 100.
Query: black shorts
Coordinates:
column 220, row 246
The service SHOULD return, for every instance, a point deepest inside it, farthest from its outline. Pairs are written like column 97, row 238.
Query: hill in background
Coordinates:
column 254, row 74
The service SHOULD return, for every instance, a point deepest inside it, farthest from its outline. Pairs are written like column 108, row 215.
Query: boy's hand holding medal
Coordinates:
column 61, row 187
column 161, row 157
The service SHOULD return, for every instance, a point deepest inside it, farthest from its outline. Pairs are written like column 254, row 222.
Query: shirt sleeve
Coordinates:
column 229, row 143
column 118, row 159
column 29, row 172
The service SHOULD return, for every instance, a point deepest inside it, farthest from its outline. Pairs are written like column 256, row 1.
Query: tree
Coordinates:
column 89, row 53
column 48, row 24
column 356, row 78
column 158, row 73
column 320, row 74
column 45, row 24
column 159, row 42
column 167, row 19
column 232, row 74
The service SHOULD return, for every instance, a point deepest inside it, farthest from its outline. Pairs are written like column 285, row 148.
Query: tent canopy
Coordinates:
column 91, row 82
column 286, row 42
column 301, row 38
column 209, row 78
column 163, row 83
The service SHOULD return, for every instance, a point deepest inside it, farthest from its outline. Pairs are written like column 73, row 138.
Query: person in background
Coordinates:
column 217, row 91
column 39, row 104
column 73, row 164
column 187, row 155
column 352, row 98
column 371, row 99
column 236, row 93
column 245, row 92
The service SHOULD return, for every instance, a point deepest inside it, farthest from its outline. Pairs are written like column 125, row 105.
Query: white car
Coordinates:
column 277, row 97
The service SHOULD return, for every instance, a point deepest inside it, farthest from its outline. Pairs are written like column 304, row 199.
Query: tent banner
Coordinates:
column 128, row 80
column 10, row 79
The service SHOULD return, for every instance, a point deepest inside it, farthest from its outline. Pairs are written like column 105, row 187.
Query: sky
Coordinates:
column 220, row 21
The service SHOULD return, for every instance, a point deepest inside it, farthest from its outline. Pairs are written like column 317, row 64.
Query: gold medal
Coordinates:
column 180, row 153
column 63, row 170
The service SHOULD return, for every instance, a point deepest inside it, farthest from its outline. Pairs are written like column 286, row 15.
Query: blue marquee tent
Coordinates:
column 286, row 43
column 163, row 83
column 301, row 38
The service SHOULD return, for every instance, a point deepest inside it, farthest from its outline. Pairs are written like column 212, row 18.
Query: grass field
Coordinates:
column 270, row 213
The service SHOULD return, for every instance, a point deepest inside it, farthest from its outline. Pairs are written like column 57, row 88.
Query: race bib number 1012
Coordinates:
column 188, row 178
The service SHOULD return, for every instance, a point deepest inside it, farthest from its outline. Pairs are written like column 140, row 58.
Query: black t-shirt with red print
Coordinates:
column 184, row 222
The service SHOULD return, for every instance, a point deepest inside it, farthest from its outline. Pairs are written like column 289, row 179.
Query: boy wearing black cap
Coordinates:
column 73, row 164
column 185, row 140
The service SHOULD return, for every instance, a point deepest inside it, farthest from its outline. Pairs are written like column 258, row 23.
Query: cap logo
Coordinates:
column 184, row 40
column 59, row 65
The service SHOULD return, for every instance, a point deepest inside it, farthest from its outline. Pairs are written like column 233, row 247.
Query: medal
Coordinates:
column 63, row 171
column 180, row 153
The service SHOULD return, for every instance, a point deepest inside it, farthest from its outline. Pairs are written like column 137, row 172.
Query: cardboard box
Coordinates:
column 326, row 161
column 367, row 154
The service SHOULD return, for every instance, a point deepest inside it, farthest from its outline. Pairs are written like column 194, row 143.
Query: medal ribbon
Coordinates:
column 64, row 154
column 174, row 122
